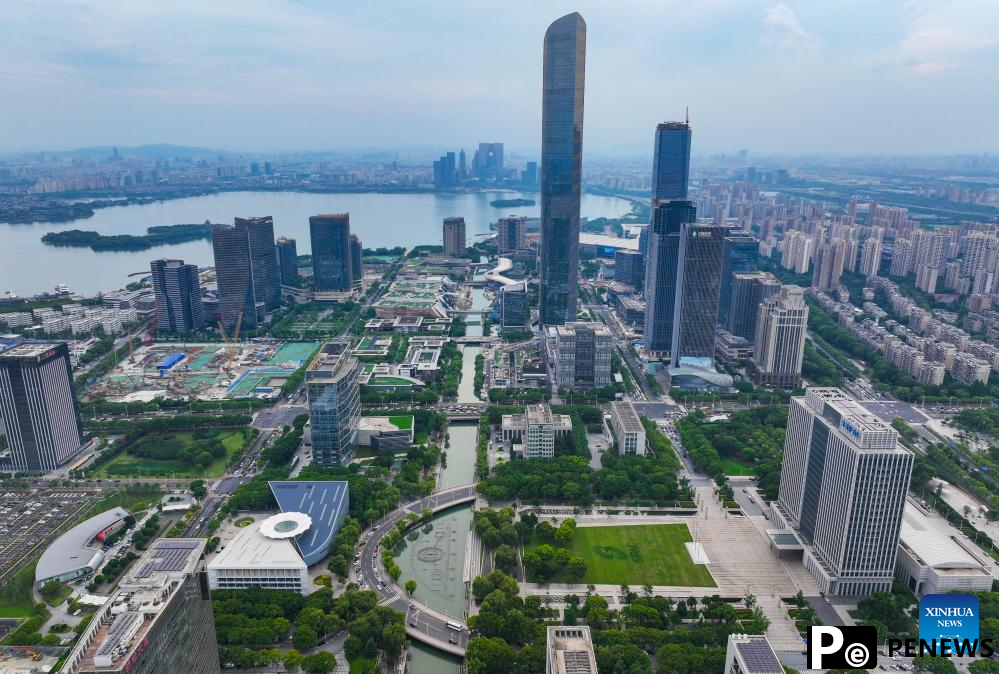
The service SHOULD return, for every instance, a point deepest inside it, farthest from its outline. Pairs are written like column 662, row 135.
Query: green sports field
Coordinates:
column 636, row 555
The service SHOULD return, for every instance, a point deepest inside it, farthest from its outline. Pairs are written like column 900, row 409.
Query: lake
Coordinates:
column 27, row 266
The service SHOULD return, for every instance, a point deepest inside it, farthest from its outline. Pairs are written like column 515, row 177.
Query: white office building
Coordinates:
column 535, row 431
column 255, row 559
column 842, row 492
column 629, row 433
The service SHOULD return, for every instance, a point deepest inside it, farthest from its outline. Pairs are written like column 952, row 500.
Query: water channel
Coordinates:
column 434, row 555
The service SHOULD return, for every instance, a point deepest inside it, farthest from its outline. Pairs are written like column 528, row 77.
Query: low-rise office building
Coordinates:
column 629, row 433
column 256, row 558
column 535, row 431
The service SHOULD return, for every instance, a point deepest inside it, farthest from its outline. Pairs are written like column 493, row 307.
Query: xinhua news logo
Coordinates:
column 948, row 627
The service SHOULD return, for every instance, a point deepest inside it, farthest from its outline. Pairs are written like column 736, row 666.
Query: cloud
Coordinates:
column 948, row 36
column 785, row 32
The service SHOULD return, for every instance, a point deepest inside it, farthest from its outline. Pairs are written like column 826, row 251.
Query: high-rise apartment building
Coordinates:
column 38, row 406
column 779, row 343
column 178, row 296
column 511, row 234
column 668, row 218
column 870, row 256
column 581, row 354
column 698, row 276
column 334, row 404
column 843, row 486
column 926, row 278
column 671, row 161
column 158, row 621
column 234, row 277
column 454, row 237
column 356, row 261
column 738, row 256
column 263, row 259
column 331, row 254
column 901, row 258
column 563, row 82
column 928, row 248
column 797, row 253
column 829, row 262
column 287, row 256
column 748, row 292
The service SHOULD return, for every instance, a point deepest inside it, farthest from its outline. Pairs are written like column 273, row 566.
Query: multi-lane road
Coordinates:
column 422, row 622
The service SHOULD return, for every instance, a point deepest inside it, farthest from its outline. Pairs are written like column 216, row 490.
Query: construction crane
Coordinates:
column 239, row 321
column 235, row 334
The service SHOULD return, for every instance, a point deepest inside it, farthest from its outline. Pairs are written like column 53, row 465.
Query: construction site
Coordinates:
column 203, row 371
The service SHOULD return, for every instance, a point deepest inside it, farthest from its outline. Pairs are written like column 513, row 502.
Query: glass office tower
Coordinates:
column 696, row 312
column 263, row 259
column 561, row 167
column 668, row 217
column 671, row 161
column 331, row 253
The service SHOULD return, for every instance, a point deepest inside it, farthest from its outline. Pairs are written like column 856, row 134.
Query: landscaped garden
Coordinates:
column 196, row 453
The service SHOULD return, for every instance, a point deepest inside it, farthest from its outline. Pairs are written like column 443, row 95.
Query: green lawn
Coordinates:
column 125, row 463
column 15, row 596
column 402, row 423
column 734, row 466
column 639, row 554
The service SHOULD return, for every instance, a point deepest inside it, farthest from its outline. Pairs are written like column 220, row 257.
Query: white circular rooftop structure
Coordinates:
column 285, row 525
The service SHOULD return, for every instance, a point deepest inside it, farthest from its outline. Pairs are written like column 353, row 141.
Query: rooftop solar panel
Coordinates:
column 759, row 657
column 119, row 627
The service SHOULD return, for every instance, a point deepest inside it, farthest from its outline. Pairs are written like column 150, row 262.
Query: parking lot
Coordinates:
column 31, row 520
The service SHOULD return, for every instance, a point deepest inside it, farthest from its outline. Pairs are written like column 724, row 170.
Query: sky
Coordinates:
column 783, row 77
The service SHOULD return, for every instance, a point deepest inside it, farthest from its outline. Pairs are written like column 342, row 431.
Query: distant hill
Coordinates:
column 155, row 151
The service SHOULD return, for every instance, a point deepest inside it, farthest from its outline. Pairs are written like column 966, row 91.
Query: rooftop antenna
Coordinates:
column 686, row 112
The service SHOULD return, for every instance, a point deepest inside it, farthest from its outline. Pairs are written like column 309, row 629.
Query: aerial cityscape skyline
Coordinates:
column 475, row 409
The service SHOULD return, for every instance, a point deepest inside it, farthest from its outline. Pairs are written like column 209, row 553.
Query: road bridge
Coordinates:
column 431, row 625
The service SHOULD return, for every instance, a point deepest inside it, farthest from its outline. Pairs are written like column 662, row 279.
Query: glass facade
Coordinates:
column 331, row 253
column 698, row 276
column 178, row 296
column 234, row 275
column 739, row 257
column 356, row 260
column 334, row 405
column 263, row 259
column 671, row 161
column 287, row 253
column 668, row 218
column 561, row 167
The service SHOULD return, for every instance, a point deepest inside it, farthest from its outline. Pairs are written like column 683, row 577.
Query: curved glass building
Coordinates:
column 561, row 167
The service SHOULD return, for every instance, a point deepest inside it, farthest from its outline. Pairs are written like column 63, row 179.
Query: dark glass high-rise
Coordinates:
column 561, row 167
column 668, row 218
column 331, row 252
column 671, row 161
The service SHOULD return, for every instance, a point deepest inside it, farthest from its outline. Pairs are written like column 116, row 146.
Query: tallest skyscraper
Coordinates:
column 561, row 167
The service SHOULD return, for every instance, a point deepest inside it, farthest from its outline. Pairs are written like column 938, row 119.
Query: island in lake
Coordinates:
column 511, row 203
column 160, row 235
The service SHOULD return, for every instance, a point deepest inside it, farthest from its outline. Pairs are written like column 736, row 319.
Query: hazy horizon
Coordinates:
column 792, row 78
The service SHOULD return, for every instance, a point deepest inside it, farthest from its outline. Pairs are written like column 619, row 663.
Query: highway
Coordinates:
column 430, row 625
